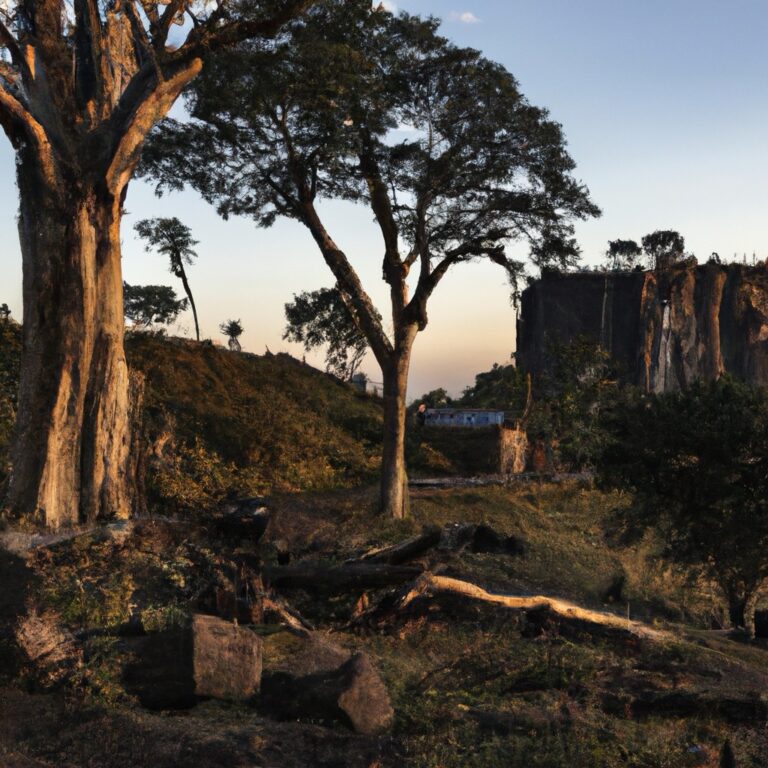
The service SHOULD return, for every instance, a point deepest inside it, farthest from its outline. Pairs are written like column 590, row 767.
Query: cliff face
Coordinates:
column 664, row 330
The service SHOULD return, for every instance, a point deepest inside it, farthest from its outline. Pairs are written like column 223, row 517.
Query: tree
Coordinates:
column 697, row 463
column 81, row 85
column 622, row 255
column 149, row 304
column 233, row 329
column 5, row 312
column 174, row 239
column 481, row 167
column 664, row 247
column 324, row 317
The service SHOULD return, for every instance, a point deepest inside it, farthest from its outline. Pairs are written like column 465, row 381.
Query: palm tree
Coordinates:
column 233, row 329
column 174, row 239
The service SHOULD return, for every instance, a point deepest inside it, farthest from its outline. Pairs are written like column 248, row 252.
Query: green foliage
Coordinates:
column 149, row 304
column 503, row 388
column 663, row 248
column 323, row 317
column 622, row 255
column 568, row 400
column 171, row 238
column 698, row 465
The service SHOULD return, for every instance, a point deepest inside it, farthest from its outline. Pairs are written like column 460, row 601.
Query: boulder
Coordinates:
column 226, row 660
column 212, row 658
column 353, row 694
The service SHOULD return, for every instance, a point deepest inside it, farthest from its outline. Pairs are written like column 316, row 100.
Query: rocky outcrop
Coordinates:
column 663, row 330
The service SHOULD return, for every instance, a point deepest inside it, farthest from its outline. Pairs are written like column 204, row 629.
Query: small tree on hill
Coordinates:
column 173, row 239
column 697, row 463
column 5, row 312
column 663, row 248
column 146, row 305
column 324, row 317
column 480, row 168
column 622, row 255
column 233, row 329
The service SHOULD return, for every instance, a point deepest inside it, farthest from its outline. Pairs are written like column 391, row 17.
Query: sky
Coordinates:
column 664, row 104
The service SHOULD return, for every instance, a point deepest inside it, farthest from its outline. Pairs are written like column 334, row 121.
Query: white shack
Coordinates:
column 463, row 417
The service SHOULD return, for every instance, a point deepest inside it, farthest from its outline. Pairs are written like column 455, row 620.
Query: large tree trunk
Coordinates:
column 71, row 451
column 395, row 501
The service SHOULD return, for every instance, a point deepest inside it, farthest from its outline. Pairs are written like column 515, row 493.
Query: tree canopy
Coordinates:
column 323, row 318
column 663, row 248
column 146, row 305
column 622, row 254
column 697, row 463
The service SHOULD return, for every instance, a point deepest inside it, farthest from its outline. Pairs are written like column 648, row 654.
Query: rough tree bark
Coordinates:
column 80, row 88
column 395, row 500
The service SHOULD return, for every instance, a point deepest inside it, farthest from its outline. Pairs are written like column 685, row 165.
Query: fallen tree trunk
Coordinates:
column 336, row 579
column 430, row 584
column 404, row 551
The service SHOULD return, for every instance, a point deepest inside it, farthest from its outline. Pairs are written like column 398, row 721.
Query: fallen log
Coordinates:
column 429, row 584
column 338, row 579
column 404, row 551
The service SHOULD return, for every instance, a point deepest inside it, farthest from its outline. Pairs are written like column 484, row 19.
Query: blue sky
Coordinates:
column 665, row 107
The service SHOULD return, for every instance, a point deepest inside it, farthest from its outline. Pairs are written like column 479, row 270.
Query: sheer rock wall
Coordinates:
column 663, row 329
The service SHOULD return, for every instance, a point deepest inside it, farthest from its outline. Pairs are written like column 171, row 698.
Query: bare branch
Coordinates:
column 15, row 115
column 8, row 41
column 140, row 35
column 140, row 120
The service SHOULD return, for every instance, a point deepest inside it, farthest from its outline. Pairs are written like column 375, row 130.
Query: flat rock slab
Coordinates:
column 226, row 659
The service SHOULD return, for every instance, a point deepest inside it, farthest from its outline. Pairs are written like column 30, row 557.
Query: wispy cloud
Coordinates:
column 389, row 6
column 465, row 17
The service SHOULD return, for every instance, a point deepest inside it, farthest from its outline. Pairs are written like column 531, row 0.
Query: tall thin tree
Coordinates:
column 173, row 239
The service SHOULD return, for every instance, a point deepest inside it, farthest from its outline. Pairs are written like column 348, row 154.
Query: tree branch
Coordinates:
column 7, row 40
column 205, row 38
column 14, row 113
column 349, row 282
column 151, row 109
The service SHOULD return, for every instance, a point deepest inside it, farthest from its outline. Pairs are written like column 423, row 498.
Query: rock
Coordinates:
column 227, row 659
column 353, row 693
column 212, row 658
column 50, row 649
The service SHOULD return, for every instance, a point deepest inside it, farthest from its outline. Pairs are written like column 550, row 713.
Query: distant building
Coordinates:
column 363, row 384
column 463, row 417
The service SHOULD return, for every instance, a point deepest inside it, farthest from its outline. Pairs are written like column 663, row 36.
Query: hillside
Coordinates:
column 220, row 424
